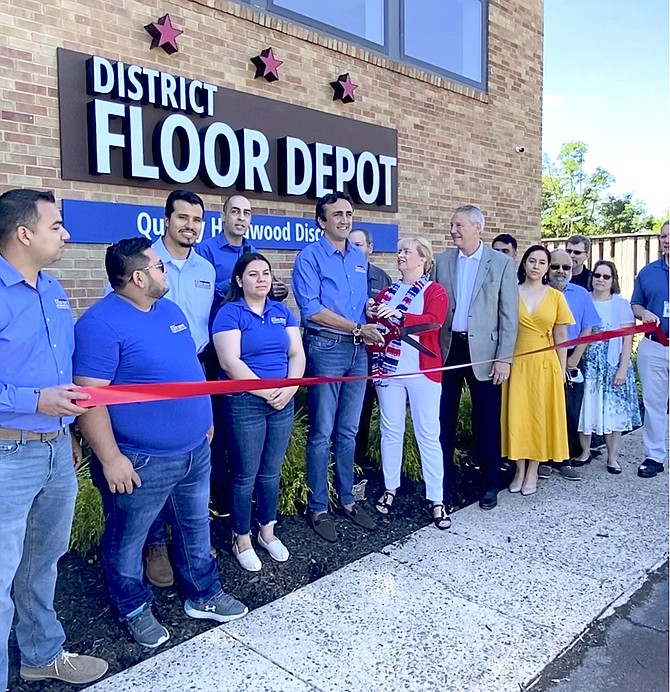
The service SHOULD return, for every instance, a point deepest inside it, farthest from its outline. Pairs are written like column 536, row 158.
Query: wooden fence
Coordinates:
column 629, row 251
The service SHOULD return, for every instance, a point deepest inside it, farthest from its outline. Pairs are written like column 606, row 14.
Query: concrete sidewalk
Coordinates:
column 483, row 607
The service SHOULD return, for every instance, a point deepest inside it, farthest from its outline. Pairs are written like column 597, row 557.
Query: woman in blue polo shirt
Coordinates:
column 257, row 338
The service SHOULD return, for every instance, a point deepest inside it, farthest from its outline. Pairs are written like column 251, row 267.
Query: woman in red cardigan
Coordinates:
column 413, row 300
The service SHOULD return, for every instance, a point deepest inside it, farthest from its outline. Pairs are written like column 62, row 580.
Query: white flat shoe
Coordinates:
column 278, row 551
column 248, row 559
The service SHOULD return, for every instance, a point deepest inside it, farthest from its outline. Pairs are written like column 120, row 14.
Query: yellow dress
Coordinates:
column 533, row 419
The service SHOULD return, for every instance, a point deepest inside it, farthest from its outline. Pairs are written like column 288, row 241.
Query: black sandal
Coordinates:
column 384, row 504
column 441, row 519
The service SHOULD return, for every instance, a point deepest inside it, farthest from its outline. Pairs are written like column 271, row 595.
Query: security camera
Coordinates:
column 519, row 149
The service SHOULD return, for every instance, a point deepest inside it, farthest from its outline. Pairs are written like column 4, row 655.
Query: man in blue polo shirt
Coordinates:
column 190, row 278
column 331, row 288
column 225, row 249
column 37, row 404
column 586, row 318
column 150, row 455
column 651, row 303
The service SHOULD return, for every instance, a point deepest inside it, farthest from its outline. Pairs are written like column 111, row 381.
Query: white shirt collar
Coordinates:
column 476, row 255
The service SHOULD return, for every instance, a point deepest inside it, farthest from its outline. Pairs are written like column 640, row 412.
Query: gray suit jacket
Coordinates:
column 493, row 319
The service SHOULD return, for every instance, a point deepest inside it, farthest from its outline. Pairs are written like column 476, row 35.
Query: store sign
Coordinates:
column 108, row 222
column 145, row 127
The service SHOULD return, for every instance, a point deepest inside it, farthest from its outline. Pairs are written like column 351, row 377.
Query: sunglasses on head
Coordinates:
column 598, row 275
column 564, row 267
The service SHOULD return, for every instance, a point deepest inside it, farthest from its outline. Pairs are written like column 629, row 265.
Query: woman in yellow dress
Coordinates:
column 533, row 419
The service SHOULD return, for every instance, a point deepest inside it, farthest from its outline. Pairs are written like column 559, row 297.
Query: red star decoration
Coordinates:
column 164, row 34
column 344, row 89
column 266, row 65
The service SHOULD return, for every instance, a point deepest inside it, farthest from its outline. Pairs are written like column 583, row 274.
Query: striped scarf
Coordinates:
column 386, row 362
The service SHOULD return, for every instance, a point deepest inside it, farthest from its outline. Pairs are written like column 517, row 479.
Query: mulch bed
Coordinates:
column 82, row 605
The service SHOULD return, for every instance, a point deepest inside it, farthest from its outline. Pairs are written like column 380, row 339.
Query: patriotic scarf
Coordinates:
column 386, row 362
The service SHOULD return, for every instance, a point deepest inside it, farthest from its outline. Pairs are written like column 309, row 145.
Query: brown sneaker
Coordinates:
column 158, row 568
column 72, row 668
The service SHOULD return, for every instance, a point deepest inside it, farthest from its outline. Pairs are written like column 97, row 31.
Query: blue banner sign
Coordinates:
column 107, row 222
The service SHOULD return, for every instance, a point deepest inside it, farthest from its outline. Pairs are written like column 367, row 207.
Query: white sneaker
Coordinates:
column 248, row 559
column 278, row 551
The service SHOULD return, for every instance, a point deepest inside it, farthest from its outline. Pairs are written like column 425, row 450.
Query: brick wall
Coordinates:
column 455, row 145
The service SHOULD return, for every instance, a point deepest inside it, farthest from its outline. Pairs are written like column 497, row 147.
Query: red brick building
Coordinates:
column 459, row 82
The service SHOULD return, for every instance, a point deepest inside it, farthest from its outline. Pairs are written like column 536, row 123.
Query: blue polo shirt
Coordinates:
column 192, row 288
column 264, row 342
column 118, row 342
column 651, row 290
column 582, row 308
column 223, row 256
column 36, row 344
column 323, row 277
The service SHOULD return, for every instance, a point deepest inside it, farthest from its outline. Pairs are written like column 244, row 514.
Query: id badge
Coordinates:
column 666, row 308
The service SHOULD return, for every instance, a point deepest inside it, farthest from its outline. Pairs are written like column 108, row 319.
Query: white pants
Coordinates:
column 424, row 404
column 652, row 364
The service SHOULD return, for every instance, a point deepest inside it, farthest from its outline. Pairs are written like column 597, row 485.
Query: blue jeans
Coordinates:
column 157, row 535
column 39, row 489
column 179, row 484
column 333, row 410
column 259, row 436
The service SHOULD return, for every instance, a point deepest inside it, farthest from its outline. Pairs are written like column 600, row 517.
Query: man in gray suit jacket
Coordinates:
column 481, row 325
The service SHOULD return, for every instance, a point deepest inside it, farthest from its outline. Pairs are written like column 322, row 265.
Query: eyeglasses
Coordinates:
column 575, row 252
column 158, row 265
column 598, row 275
column 564, row 267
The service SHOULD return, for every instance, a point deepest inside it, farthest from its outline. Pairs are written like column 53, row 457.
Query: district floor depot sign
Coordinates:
column 145, row 127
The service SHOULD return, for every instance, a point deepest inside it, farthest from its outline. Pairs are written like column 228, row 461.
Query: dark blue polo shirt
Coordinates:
column 223, row 256
column 264, row 342
column 115, row 341
column 651, row 290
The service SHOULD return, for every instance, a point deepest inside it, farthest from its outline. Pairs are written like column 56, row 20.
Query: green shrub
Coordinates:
column 88, row 518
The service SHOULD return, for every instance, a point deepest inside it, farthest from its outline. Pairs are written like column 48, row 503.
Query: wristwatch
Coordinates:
column 356, row 331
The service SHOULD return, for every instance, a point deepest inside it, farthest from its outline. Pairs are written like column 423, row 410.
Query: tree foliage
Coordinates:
column 575, row 201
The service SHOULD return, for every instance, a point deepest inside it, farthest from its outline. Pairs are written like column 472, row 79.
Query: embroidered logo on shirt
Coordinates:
column 62, row 303
column 176, row 328
column 200, row 283
column 278, row 320
column 360, row 268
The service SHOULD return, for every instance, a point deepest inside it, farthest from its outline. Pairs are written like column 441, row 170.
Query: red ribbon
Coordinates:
column 135, row 393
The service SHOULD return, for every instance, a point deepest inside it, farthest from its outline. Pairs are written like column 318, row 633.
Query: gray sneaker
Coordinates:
column 72, row 668
column 222, row 608
column 544, row 471
column 146, row 630
column 570, row 472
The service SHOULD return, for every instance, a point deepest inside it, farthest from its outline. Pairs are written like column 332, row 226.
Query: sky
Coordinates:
column 606, row 84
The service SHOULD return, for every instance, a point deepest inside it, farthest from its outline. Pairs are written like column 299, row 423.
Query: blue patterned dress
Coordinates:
column 607, row 408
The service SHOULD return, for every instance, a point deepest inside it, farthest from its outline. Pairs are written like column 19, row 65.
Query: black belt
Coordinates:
column 653, row 337
column 333, row 336
column 459, row 335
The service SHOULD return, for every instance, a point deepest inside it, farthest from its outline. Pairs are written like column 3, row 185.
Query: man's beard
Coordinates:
column 559, row 284
column 156, row 290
